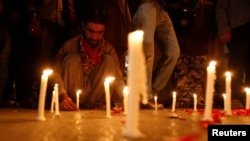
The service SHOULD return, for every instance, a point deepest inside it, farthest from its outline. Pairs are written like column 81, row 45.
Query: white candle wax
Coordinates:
column 173, row 101
column 209, row 91
column 57, row 112
column 155, row 98
column 247, row 98
column 52, row 106
column 225, row 101
column 195, row 102
column 77, row 98
column 107, row 95
column 125, row 99
column 228, row 92
column 137, row 82
column 42, row 94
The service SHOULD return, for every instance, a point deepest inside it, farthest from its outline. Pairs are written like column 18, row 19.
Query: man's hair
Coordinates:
column 97, row 14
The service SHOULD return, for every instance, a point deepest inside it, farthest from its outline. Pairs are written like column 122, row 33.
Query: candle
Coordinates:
column 155, row 98
column 107, row 95
column 195, row 102
column 52, row 102
column 228, row 92
column 209, row 91
column 42, row 94
column 247, row 97
column 173, row 101
column 137, row 82
column 125, row 99
column 225, row 101
column 77, row 98
column 56, row 99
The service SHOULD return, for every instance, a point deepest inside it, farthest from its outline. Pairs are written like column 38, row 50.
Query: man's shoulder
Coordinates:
column 74, row 39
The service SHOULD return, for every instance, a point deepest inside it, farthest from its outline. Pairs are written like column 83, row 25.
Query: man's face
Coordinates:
column 94, row 33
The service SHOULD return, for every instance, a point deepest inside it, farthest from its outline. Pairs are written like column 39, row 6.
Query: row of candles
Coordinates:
column 137, row 86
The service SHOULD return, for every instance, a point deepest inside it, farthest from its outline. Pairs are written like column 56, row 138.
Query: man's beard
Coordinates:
column 94, row 43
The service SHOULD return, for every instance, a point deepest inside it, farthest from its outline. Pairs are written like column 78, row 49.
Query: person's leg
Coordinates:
column 169, row 47
column 238, row 48
column 73, row 78
column 97, row 78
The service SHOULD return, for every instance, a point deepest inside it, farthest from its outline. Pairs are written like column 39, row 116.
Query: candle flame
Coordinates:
column 78, row 92
column 109, row 79
column 125, row 90
column 247, row 89
column 155, row 97
column 212, row 63
column 224, row 95
column 174, row 94
column 138, row 35
column 47, row 72
column 228, row 74
column 195, row 95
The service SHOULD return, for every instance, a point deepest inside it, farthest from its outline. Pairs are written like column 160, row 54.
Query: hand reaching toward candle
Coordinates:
column 66, row 103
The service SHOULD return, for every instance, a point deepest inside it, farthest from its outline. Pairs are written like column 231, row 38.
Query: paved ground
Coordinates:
column 92, row 125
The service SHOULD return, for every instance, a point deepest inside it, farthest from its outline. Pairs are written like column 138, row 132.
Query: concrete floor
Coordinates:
column 92, row 125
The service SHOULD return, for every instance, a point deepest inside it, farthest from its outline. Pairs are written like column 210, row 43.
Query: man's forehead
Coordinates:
column 95, row 26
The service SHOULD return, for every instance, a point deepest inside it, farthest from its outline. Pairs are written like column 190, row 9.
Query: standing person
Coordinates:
column 233, row 22
column 152, row 18
column 85, row 61
column 43, row 27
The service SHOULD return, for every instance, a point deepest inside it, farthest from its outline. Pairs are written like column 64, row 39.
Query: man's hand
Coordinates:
column 225, row 37
column 68, row 105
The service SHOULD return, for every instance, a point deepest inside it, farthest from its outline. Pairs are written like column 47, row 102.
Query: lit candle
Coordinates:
column 107, row 95
column 173, row 101
column 137, row 82
column 225, row 101
column 247, row 97
column 42, row 94
column 125, row 99
column 209, row 91
column 155, row 98
column 228, row 92
column 52, row 102
column 77, row 98
column 56, row 99
column 195, row 102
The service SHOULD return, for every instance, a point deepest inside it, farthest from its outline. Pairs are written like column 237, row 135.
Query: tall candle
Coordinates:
column 107, row 95
column 173, row 101
column 225, row 101
column 77, row 98
column 125, row 99
column 42, row 94
column 209, row 91
column 228, row 92
column 195, row 102
column 52, row 106
column 137, row 82
column 247, row 97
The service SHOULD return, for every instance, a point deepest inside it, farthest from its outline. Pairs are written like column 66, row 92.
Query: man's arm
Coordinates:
column 222, row 19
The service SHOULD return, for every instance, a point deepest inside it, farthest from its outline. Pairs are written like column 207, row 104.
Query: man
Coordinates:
column 158, row 32
column 233, row 22
column 84, row 62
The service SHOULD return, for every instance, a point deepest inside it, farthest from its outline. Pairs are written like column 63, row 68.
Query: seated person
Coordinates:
column 84, row 62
